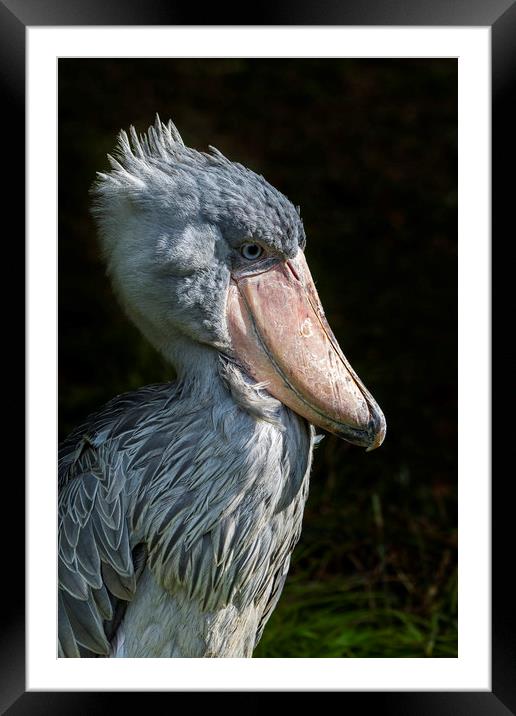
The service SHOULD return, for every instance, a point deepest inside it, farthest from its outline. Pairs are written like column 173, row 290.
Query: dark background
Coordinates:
column 368, row 149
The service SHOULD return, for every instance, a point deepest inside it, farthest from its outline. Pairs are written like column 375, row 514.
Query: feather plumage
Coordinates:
column 179, row 504
column 210, row 522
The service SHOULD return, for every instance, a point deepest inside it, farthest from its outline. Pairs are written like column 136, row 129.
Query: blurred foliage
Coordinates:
column 368, row 149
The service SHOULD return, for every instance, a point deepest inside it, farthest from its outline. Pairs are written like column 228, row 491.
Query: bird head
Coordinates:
column 207, row 258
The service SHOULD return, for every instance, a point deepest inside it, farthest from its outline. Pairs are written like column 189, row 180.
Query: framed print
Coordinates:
column 378, row 125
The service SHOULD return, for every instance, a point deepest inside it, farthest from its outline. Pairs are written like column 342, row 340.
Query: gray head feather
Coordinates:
column 171, row 220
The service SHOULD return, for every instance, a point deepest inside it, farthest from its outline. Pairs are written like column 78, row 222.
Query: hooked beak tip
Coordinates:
column 378, row 431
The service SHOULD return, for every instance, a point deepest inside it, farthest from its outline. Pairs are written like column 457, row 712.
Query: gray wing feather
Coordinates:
column 98, row 565
column 86, row 625
column 67, row 642
column 103, row 603
column 95, row 562
column 277, row 588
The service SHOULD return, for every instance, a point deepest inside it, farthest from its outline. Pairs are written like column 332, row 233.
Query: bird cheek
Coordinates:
column 186, row 251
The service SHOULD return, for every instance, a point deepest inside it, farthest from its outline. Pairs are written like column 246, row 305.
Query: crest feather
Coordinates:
column 160, row 148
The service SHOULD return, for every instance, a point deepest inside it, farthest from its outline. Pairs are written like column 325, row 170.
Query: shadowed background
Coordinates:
column 368, row 149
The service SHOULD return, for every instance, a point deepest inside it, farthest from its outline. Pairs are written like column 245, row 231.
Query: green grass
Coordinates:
column 374, row 575
column 341, row 618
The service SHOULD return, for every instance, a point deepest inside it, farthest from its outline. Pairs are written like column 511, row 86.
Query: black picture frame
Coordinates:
column 15, row 17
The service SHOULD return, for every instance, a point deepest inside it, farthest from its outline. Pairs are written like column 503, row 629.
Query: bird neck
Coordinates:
column 205, row 373
column 196, row 367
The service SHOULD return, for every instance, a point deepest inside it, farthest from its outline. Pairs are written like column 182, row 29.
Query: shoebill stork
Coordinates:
column 180, row 504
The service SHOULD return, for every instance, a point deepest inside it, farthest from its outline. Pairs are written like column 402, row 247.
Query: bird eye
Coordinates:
column 251, row 252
